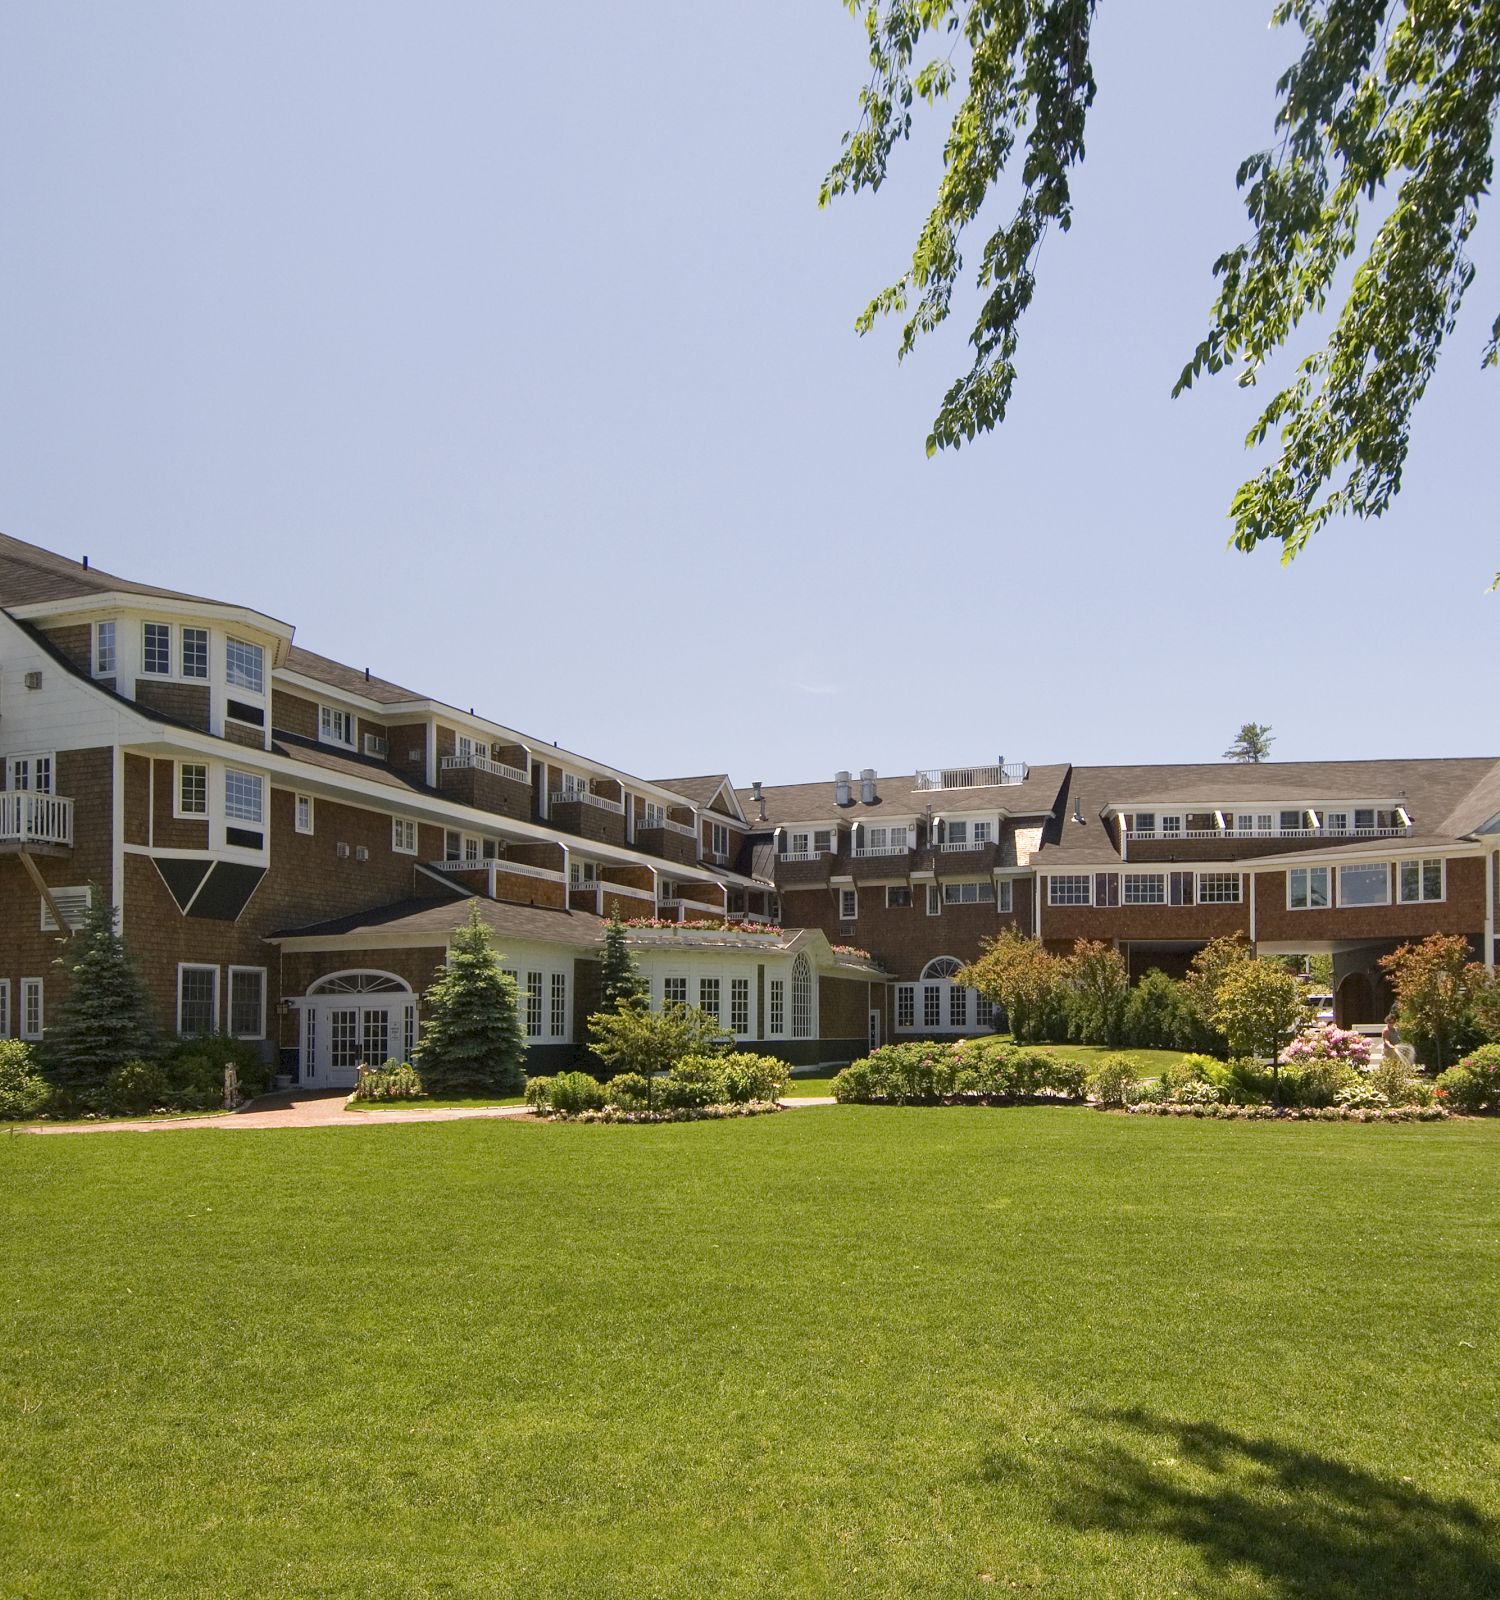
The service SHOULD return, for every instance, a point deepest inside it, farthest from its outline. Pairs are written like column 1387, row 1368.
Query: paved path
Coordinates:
column 310, row 1108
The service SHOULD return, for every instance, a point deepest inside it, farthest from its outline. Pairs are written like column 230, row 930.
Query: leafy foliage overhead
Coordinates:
column 1389, row 98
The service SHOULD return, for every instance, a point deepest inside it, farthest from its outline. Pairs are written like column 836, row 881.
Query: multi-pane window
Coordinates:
column 243, row 793
column 1365, row 886
column 708, row 996
column 471, row 850
column 1263, row 821
column 156, row 649
column 453, row 845
column 674, row 991
column 192, row 789
column 983, row 832
column 245, row 665
column 822, row 841
column 897, row 894
column 984, row 1011
column 958, row 1006
column 932, row 1005
column 958, row 833
column 404, row 835
column 1421, row 880
column 1170, row 826
column 653, row 815
column 719, row 838
column 1218, row 888
column 906, row 1005
column 934, row 900
column 802, row 998
column 559, row 1017
column 1180, row 887
column 247, row 1002
column 1004, row 893
column 534, row 1005
column 197, row 999
column 104, row 649
column 848, row 904
column 1336, row 822
column 30, row 772
column 776, row 1006
column 739, row 1005
column 1143, row 822
column 1145, row 889
column 335, row 725
column 4, row 1008
column 1307, row 889
column 1069, row 889
column 195, row 652
column 968, row 894
column 32, row 1018
column 302, row 813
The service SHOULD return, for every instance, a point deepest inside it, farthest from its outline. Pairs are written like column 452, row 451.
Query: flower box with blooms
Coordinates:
column 650, row 927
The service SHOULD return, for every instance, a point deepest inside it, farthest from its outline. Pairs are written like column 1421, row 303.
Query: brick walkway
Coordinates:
column 300, row 1108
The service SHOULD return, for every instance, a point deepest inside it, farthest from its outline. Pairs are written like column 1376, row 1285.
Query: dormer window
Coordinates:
column 195, row 652
column 245, row 666
column 156, row 659
column 335, row 726
column 104, row 649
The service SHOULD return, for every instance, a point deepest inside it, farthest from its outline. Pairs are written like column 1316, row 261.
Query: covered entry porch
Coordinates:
column 354, row 1018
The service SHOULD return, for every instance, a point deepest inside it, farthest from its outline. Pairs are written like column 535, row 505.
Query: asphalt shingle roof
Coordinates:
column 787, row 803
column 432, row 921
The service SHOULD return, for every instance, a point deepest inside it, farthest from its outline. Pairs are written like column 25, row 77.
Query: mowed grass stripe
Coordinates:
column 889, row 1352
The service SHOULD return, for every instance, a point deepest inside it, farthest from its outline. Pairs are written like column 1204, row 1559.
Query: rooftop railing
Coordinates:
column 971, row 777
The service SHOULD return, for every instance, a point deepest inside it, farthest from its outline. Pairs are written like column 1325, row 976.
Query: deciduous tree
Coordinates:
column 1100, row 982
column 1387, row 116
column 1258, row 1004
column 1018, row 974
column 1435, row 983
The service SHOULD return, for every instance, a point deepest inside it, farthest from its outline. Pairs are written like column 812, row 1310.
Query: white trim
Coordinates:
column 198, row 966
column 849, row 916
column 178, row 814
column 312, row 817
column 1362, row 866
column 260, row 1032
column 73, row 900
column 30, row 986
column 1420, row 863
column 399, row 826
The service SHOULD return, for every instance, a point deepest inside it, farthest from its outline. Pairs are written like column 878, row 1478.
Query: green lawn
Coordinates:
column 851, row 1353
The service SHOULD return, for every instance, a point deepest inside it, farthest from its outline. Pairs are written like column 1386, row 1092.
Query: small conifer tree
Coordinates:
column 471, row 1036
column 106, row 1018
column 620, row 978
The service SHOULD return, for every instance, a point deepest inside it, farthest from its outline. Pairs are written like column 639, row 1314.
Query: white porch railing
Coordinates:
column 27, row 817
column 864, row 852
column 803, row 855
column 602, row 893
column 484, row 764
column 1267, row 833
column 671, row 827
column 971, row 777
column 950, row 845
column 562, row 797
column 684, row 907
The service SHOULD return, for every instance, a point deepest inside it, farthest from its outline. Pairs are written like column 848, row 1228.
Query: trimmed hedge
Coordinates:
column 699, row 1083
column 968, row 1072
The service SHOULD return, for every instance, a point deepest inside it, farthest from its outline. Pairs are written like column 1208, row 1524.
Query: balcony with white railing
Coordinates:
column 497, row 769
column 567, row 797
column 971, row 777
column 953, row 846
column 868, row 852
column 681, row 910
column 686, row 830
column 29, row 817
column 1170, row 836
column 803, row 855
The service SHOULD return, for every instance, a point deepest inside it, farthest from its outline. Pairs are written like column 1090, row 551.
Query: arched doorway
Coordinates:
column 1354, row 1000
column 349, row 1018
column 938, row 1004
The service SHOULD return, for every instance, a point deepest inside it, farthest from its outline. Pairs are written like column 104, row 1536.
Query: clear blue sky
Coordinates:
column 504, row 350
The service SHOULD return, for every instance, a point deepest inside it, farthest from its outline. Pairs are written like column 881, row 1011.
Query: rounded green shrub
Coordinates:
column 134, row 1088
column 627, row 1090
column 1462, row 1089
column 745, row 1076
column 573, row 1092
column 24, row 1092
column 1113, row 1082
column 539, row 1093
column 396, row 1080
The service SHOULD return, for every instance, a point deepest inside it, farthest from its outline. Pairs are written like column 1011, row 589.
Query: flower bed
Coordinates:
column 1235, row 1113
column 751, row 1108
column 968, row 1072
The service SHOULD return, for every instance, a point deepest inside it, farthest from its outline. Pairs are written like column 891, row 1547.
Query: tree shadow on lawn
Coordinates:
column 1304, row 1524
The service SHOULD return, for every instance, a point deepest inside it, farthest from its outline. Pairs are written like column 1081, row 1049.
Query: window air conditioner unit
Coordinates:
column 375, row 744
column 361, row 852
column 33, row 680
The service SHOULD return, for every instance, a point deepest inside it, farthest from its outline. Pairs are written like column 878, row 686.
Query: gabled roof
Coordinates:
column 427, row 922
column 30, row 575
column 789, row 803
column 704, row 790
column 309, row 664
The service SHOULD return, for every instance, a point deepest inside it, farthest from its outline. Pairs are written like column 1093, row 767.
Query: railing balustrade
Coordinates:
column 866, row 851
column 971, row 777
column 30, row 817
column 562, row 797
column 484, row 764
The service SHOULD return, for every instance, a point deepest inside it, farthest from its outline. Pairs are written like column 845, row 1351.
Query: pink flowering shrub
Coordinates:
column 1328, row 1044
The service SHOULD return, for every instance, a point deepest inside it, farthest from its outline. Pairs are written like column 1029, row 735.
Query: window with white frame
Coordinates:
column 984, row 832
column 73, row 903
column 822, row 841
column 906, row 1005
column 1263, row 820
column 957, row 833
column 739, row 1005
column 335, row 726
column 1106, row 888
column 719, row 838
column 195, row 652
column 1218, row 888
column 534, row 1005
column 653, row 815
column 1422, row 880
column 984, row 1011
column 4, row 1008
column 1070, row 889
column 802, row 998
column 934, row 900
column 1171, row 826
column 243, row 795
column 1336, row 822
column 302, row 813
column 1145, row 889
column 1143, row 822
column 245, row 665
column 192, row 789
column 156, row 650
column 797, row 844
column 708, row 996
column 674, row 991
column 776, row 1006
column 247, row 1002
column 33, row 1019
column 968, row 894
column 32, row 772
column 1307, row 889
column 559, row 1017
column 104, row 649
column 403, row 836
column 897, row 895
column 1004, row 895
column 197, row 999
column 1180, row 886
column 1293, row 821
column 848, row 905
column 932, row 1005
column 453, row 845
column 1365, row 885
column 958, row 1006
column 471, row 850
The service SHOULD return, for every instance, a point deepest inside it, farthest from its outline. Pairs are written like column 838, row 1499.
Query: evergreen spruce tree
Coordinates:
column 619, row 979
column 105, row 1019
column 471, row 1037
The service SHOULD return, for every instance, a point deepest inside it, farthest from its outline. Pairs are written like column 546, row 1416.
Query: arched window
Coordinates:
column 802, row 998
column 942, row 967
column 360, row 983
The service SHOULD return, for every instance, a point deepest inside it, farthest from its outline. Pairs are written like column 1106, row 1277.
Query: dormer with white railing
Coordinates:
column 988, row 777
column 1266, row 821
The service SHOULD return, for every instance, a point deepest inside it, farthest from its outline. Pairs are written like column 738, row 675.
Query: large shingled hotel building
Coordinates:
column 291, row 842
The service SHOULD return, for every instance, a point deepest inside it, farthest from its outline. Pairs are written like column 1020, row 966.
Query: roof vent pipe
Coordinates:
column 841, row 788
column 1078, row 808
column 867, row 786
